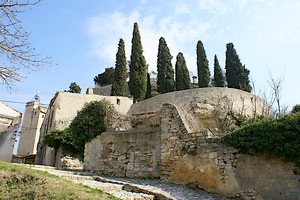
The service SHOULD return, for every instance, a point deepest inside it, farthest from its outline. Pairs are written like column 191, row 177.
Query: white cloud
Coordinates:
column 213, row 5
column 181, row 8
column 105, row 31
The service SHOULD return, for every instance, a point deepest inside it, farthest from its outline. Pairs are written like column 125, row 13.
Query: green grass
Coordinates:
column 18, row 182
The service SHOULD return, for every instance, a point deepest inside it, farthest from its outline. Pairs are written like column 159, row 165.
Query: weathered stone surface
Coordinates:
column 174, row 137
column 134, row 153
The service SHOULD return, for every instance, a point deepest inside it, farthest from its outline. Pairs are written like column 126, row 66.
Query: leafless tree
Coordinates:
column 16, row 53
column 276, row 92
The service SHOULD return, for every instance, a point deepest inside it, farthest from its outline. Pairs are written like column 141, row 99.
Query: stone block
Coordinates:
column 213, row 155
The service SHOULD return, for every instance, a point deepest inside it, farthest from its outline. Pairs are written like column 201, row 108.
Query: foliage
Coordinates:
column 89, row 122
column 106, row 78
column 56, row 138
column 296, row 108
column 148, row 93
column 137, row 67
column 74, row 88
column 19, row 182
column 237, row 75
column 182, row 76
column 278, row 137
column 202, row 66
column 165, row 71
column 120, row 75
column 16, row 51
column 219, row 80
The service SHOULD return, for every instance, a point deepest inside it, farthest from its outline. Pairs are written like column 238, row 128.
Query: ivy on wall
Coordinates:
column 89, row 122
column 278, row 137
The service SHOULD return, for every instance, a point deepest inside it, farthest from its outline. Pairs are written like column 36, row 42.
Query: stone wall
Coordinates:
column 205, row 109
column 134, row 153
column 195, row 160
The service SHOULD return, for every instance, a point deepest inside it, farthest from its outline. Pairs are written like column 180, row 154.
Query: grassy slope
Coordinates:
column 17, row 182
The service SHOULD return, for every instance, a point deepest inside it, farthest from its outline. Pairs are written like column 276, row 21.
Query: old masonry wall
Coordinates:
column 194, row 159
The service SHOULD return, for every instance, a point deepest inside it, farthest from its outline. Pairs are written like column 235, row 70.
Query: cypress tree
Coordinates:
column 202, row 66
column 165, row 71
column 219, row 80
column 148, row 93
column 237, row 76
column 182, row 76
column 137, row 67
column 119, row 84
column 245, row 83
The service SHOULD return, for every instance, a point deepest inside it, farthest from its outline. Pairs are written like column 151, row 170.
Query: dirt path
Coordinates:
column 132, row 189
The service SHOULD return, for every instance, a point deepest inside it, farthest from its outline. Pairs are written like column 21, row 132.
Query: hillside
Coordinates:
column 17, row 182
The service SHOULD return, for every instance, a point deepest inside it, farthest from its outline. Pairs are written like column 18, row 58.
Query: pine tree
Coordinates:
column 219, row 80
column 137, row 67
column 165, row 71
column 237, row 76
column 106, row 78
column 202, row 66
column 119, row 84
column 74, row 88
column 182, row 76
column 148, row 93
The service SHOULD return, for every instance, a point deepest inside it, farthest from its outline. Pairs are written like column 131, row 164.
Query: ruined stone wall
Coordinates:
column 134, row 153
column 205, row 109
column 195, row 160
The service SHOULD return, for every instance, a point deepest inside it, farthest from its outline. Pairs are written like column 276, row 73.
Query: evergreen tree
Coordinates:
column 237, row 76
column 182, row 76
column 165, row 71
column 74, row 88
column 137, row 67
column 219, row 80
column 148, row 93
column 119, row 84
column 106, row 78
column 202, row 66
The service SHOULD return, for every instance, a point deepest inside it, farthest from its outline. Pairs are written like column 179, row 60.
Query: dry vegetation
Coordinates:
column 17, row 182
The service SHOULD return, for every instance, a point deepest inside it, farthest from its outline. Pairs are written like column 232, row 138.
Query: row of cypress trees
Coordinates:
column 236, row 75
column 137, row 70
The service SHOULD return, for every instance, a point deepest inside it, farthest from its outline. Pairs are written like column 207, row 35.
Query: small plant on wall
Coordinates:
column 89, row 123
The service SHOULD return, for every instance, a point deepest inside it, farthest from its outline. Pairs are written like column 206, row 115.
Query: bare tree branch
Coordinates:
column 276, row 88
column 16, row 52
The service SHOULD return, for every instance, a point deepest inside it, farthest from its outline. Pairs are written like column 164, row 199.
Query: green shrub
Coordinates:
column 89, row 122
column 272, row 137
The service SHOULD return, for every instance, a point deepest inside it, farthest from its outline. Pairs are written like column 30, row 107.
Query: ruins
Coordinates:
column 175, row 137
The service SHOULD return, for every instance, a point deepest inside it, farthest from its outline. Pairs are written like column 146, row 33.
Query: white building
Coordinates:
column 10, row 120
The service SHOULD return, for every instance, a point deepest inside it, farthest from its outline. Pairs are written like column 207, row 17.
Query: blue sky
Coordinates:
column 82, row 38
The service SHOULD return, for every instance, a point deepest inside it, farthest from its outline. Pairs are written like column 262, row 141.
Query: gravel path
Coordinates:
column 132, row 189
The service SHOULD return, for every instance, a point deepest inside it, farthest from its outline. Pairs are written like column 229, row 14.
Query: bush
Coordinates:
column 296, row 108
column 89, row 122
column 56, row 138
column 272, row 137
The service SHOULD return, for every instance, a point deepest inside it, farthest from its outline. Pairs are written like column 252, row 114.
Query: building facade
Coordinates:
column 10, row 120
column 30, row 132
column 62, row 110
